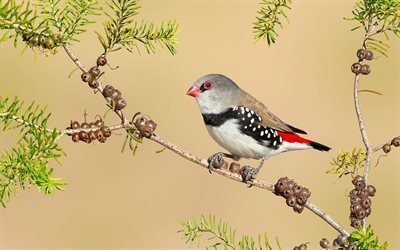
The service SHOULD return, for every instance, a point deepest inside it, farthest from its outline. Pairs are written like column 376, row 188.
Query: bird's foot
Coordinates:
column 215, row 161
column 248, row 174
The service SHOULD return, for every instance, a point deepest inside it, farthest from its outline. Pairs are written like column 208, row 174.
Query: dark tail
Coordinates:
column 319, row 146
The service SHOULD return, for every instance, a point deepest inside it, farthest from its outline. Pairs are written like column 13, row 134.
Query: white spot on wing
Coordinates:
column 254, row 129
column 274, row 143
column 262, row 133
column 252, row 120
column 248, row 115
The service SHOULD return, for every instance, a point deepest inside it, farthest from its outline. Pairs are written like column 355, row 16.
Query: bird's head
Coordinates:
column 214, row 93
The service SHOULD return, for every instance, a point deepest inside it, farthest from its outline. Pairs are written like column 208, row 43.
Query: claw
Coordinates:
column 215, row 161
column 248, row 174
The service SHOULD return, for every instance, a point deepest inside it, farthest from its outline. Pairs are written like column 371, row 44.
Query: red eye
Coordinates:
column 207, row 85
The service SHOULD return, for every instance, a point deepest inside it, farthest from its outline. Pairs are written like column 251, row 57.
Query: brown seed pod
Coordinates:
column 369, row 55
column 93, row 84
column 355, row 200
column 365, row 69
column 353, row 193
column 356, row 68
column 366, row 203
column 101, row 60
column 94, row 71
column 361, row 54
column 280, row 185
column 360, row 185
column 355, row 208
column 116, row 94
column 324, row 243
column 360, row 214
column 305, row 193
column 99, row 123
column 83, row 136
column 75, row 125
column 86, row 77
column 100, row 136
column 367, row 211
column 303, row 247
column 106, row 131
column 287, row 193
column 356, row 179
column 342, row 240
column 301, row 200
column 297, row 189
column 234, row 167
column 396, row 142
column 146, row 127
column 85, row 125
column 298, row 208
column 75, row 137
column 92, row 125
column 386, row 148
column 108, row 91
column 363, row 194
column 371, row 190
column 296, row 248
column 120, row 103
column 290, row 184
column 356, row 223
column 92, row 135
column 291, row 201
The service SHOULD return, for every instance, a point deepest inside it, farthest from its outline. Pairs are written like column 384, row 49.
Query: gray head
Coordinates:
column 214, row 93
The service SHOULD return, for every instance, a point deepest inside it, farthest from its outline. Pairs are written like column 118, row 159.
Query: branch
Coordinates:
column 188, row 156
column 363, row 131
column 236, row 177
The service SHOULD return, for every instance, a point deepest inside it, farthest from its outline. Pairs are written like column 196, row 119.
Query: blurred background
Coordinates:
column 116, row 201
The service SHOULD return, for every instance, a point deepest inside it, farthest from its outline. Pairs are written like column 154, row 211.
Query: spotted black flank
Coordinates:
column 249, row 125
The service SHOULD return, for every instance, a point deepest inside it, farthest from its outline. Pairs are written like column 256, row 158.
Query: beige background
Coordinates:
column 116, row 201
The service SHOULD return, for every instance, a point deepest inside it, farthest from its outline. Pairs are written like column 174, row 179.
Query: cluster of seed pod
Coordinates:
column 44, row 40
column 340, row 243
column 395, row 142
column 358, row 68
column 302, row 246
column 360, row 203
column 296, row 196
column 145, row 126
column 94, row 73
column 114, row 96
column 90, row 131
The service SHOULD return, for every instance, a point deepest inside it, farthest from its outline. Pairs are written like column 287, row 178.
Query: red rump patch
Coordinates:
column 290, row 137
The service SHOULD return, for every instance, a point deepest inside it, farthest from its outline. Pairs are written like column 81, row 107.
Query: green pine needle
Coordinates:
column 27, row 163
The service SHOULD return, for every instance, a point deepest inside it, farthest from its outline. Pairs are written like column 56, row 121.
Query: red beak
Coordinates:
column 193, row 91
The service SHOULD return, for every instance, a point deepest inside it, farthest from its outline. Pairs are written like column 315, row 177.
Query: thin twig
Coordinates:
column 363, row 131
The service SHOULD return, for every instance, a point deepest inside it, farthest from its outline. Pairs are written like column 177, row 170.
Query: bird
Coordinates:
column 244, row 126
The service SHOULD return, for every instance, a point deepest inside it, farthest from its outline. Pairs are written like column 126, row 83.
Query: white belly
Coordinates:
column 228, row 136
